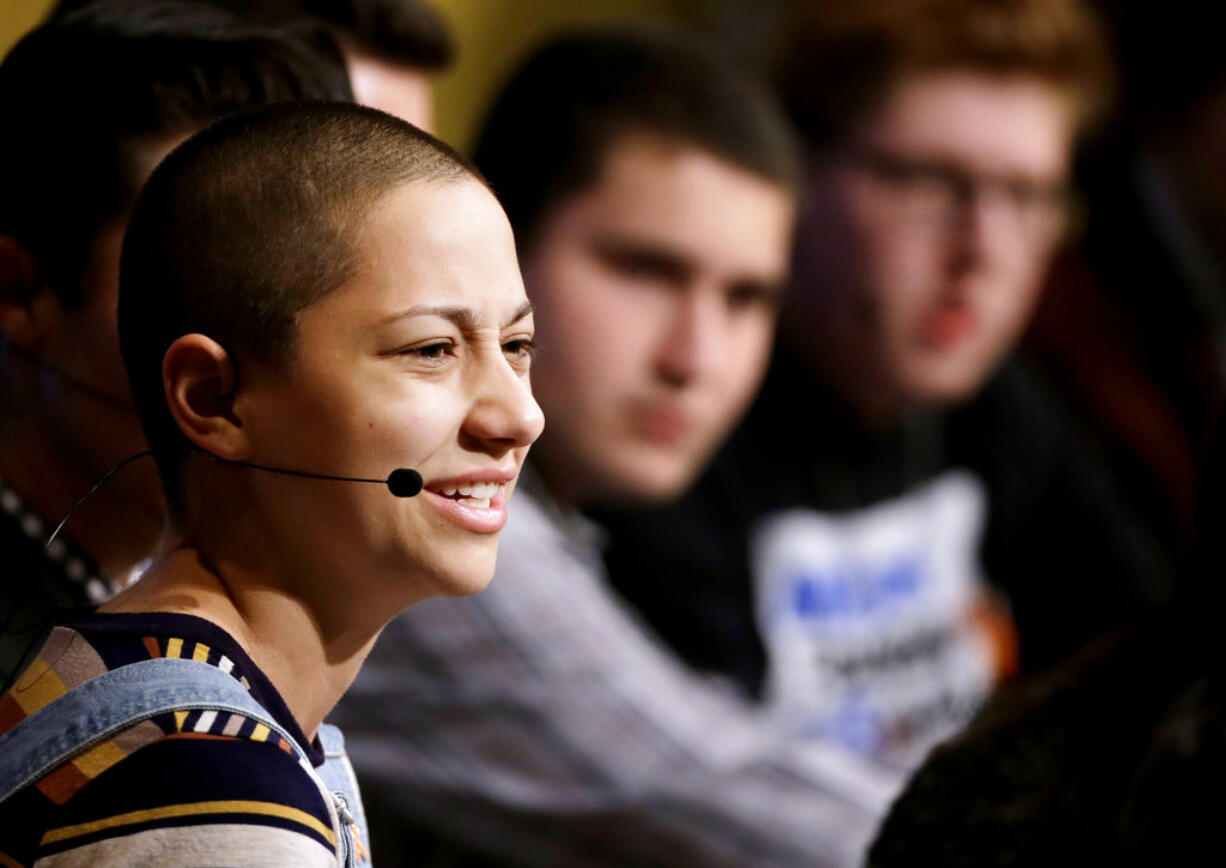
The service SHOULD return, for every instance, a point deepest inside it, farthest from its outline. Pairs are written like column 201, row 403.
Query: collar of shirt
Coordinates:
column 578, row 531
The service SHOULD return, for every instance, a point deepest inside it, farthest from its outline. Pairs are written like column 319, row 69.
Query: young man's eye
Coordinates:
column 753, row 296
column 639, row 269
column 643, row 266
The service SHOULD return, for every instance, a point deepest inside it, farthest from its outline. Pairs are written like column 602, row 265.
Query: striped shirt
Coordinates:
column 539, row 722
column 181, row 788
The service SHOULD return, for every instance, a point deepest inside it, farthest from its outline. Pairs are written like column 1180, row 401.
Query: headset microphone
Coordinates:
column 402, row 482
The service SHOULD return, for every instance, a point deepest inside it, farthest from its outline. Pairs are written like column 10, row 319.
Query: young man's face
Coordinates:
column 926, row 234
column 420, row 361
column 656, row 290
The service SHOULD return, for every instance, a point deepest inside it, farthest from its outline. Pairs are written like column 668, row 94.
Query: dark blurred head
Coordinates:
column 573, row 100
column 91, row 101
column 651, row 193
column 939, row 137
column 390, row 46
column 93, row 89
column 410, row 32
column 246, row 225
column 1174, row 106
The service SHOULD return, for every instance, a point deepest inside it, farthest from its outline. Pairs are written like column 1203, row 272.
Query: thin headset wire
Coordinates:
column 299, row 473
column 84, row 497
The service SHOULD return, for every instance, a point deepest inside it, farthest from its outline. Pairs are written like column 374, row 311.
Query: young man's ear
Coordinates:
column 28, row 313
column 199, row 378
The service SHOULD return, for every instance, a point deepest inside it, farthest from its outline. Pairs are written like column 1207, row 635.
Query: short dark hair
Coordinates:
column 550, row 129
column 408, row 32
column 836, row 62
column 245, row 225
column 82, row 93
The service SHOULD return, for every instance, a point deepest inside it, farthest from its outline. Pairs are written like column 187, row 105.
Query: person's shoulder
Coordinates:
column 179, row 798
column 1015, row 424
column 1017, row 395
column 165, row 784
column 1067, row 764
column 540, row 533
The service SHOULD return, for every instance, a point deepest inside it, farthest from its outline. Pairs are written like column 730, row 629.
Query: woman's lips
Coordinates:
column 471, row 512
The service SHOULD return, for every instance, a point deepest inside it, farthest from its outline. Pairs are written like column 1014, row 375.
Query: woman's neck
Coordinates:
column 309, row 662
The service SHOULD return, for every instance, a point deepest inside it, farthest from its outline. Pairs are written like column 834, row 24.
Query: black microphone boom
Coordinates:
column 402, row 482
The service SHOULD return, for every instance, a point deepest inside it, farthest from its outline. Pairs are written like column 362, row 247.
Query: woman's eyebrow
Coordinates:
column 463, row 317
column 524, row 310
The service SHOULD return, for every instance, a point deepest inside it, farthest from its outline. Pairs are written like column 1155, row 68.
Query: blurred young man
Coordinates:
column 100, row 96
column 651, row 196
column 903, row 519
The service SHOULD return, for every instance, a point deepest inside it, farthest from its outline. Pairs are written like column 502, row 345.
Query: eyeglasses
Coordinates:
column 931, row 191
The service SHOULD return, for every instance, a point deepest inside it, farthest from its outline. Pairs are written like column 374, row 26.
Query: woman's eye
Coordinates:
column 520, row 348
column 434, row 352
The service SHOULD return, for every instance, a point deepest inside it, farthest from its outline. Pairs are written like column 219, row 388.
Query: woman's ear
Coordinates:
column 200, row 378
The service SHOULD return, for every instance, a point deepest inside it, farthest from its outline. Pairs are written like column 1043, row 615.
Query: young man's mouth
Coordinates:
column 948, row 325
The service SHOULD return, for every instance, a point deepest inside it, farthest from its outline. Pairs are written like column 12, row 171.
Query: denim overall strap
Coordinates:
column 337, row 774
column 104, row 706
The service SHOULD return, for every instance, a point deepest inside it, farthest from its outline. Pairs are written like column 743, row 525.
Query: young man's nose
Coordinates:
column 692, row 337
column 987, row 229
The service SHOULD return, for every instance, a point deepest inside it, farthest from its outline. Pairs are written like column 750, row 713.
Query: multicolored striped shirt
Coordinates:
column 184, row 787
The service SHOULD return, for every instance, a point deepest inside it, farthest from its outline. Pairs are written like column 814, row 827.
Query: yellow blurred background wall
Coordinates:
column 18, row 16
column 491, row 34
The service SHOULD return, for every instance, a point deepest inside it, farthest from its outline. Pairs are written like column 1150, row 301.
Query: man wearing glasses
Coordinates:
column 903, row 520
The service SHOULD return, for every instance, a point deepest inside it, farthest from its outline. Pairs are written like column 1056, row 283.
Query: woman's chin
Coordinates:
column 467, row 575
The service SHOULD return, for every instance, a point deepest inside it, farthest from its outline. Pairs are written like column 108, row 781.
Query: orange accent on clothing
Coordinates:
column 991, row 619
column 360, row 851
column 62, row 784
column 10, row 713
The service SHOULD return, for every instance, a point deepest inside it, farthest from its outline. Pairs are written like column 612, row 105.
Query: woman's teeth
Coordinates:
column 477, row 494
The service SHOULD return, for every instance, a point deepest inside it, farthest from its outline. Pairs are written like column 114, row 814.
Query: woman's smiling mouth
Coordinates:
column 477, row 494
column 476, row 501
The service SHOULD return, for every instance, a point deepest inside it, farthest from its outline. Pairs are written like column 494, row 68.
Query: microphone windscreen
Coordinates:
column 404, row 482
